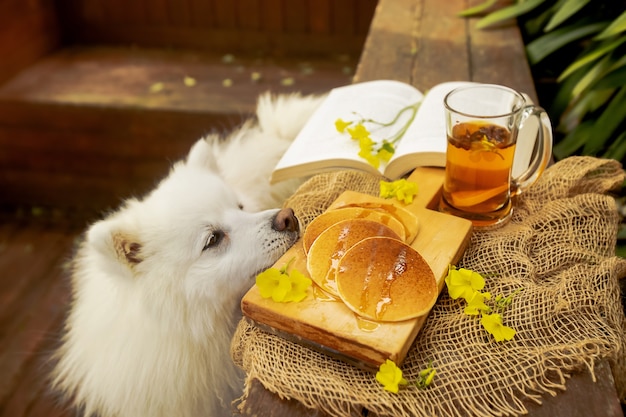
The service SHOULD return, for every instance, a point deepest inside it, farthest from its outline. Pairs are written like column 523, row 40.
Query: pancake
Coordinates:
column 385, row 279
column 330, row 217
column 408, row 219
column 330, row 246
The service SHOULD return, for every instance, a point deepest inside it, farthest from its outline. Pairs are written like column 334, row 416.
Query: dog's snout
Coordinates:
column 285, row 220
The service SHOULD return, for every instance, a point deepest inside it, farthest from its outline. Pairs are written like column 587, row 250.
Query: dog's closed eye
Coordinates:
column 214, row 239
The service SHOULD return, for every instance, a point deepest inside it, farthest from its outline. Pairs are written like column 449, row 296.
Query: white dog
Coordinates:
column 157, row 284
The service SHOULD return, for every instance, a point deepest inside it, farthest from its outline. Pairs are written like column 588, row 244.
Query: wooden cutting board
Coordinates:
column 327, row 325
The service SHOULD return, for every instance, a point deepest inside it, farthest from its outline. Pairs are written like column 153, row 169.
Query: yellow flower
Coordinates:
column 341, row 125
column 281, row 286
column 359, row 132
column 299, row 284
column 476, row 303
column 365, row 151
column 463, row 283
column 401, row 189
column 390, row 376
column 386, row 151
column 493, row 324
column 273, row 283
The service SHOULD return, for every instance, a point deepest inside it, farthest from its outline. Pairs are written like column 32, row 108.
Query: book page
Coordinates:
column 319, row 144
column 428, row 131
column 424, row 143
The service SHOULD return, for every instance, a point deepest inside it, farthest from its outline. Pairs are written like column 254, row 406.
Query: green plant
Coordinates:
column 582, row 45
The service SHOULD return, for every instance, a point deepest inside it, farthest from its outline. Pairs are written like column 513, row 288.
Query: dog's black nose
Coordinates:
column 285, row 220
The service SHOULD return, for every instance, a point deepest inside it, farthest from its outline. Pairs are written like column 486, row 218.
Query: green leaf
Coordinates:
column 574, row 140
column 592, row 76
column 508, row 12
column 613, row 79
column 617, row 150
column 616, row 27
column 553, row 41
column 580, row 106
column 565, row 12
column 563, row 97
column 607, row 123
column 472, row 11
column 533, row 26
column 596, row 52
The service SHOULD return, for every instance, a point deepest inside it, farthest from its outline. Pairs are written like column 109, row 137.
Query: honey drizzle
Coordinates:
column 365, row 293
column 329, row 282
column 366, row 325
column 384, row 299
column 321, row 295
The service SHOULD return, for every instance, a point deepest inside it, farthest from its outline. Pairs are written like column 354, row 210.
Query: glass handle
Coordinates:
column 542, row 152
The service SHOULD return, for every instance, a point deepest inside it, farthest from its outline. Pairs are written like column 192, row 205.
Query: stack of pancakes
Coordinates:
column 361, row 254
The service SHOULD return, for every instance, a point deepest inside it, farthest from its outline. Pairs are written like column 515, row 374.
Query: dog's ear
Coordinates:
column 202, row 153
column 113, row 240
column 127, row 248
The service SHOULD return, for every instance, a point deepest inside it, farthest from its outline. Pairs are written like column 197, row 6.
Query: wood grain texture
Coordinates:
column 425, row 43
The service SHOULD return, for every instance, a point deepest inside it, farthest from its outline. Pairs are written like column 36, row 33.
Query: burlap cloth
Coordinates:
column 559, row 247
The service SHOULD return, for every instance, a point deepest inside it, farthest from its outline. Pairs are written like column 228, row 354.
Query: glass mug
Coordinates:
column 483, row 125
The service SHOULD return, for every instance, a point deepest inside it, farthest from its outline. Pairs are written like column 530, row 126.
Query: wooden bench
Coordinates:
column 423, row 42
column 93, row 101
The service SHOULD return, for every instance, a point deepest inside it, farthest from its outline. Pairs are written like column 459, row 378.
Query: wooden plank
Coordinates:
column 584, row 397
column 387, row 51
column 34, row 300
column 431, row 45
column 441, row 52
column 36, row 250
column 123, row 77
column 424, row 42
column 22, row 368
column 489, row 54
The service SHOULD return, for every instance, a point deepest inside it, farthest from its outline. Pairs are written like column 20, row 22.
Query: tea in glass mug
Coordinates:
column 482, row 125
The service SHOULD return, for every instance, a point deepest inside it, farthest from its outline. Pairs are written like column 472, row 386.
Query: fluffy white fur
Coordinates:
column 157, row 284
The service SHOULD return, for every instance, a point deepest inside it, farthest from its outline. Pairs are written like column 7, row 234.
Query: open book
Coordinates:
column 321, row 147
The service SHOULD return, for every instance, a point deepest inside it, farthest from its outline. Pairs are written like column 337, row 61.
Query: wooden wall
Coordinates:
column 268, row 26
column 28, row 30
